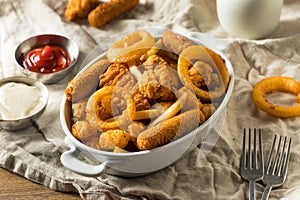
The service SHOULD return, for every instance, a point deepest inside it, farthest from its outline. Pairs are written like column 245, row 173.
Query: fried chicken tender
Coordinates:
column 112, row 75
column 141, row 102
column 158, row 81
column 79, row 8
column 118, row 75
column 105, row 12
column 175, row 42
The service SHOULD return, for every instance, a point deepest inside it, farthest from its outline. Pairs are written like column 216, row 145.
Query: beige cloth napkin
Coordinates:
column 209, row 172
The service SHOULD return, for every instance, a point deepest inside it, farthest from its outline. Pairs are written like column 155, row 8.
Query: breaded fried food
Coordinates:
column 78, row 110
column 155, row 82
column 79, row 8
column 118, row 74
column 111, row 138
column 141, row 102
column 113, row 74
column 164, row 132
column 105, row 12
column 175, row 42
column 86, row 83
column 82, row 130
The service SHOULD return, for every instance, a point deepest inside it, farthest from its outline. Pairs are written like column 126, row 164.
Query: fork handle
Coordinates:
column 266, row 193
column 252, row 190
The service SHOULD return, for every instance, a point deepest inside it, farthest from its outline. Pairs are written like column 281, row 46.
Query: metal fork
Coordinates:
column 252, row 164
column 276, row 166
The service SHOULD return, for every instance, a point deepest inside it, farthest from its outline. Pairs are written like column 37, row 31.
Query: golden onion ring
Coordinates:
column 103, row 98
column 213, row 59
column 276, row 83
column 131, row 47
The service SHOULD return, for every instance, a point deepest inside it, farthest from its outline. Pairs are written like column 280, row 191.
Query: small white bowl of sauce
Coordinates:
column 22, row 100
column 48, row 58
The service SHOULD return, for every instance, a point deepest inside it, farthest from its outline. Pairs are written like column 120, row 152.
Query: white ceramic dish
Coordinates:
column 143, row 162
column 252, row 19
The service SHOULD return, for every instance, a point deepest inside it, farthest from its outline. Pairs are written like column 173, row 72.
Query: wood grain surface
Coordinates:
column 13, row 186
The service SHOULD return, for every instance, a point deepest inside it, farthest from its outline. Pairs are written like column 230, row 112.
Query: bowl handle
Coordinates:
column 70, row 161
column 208, row 40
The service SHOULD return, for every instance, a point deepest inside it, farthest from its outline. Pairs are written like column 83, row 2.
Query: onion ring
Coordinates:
column 103, row 98
column 277, row 83
column 206, row 55
column 131, row 47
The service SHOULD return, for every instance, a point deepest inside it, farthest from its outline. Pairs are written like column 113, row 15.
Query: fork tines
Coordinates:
column 252, row 165
column 253, row 155
column 276, row 166
column 278, row 159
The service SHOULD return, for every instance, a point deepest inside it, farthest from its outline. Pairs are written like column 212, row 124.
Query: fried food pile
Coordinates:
column 146, row 92
column 97, row 13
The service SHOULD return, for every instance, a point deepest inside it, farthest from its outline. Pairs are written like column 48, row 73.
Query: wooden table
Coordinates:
column 14, row 186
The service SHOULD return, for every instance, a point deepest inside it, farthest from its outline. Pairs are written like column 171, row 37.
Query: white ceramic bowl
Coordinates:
column 253, row 19
column 143, row 162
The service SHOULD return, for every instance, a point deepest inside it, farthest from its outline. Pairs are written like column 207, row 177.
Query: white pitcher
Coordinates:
column 252, row 19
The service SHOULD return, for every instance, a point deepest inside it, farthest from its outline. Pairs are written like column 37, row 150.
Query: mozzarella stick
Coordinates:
column 105, row 12
column 86, row 83
column 79, row 8
column 165, row 131
column 175, row 42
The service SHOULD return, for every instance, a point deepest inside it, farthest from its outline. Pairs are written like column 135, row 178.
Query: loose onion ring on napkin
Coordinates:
column 277, row 83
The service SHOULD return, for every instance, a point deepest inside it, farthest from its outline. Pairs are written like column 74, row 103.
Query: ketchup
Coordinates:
column 46, row 59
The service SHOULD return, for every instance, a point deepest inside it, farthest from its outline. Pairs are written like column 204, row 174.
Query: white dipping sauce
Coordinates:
column 18, row 100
